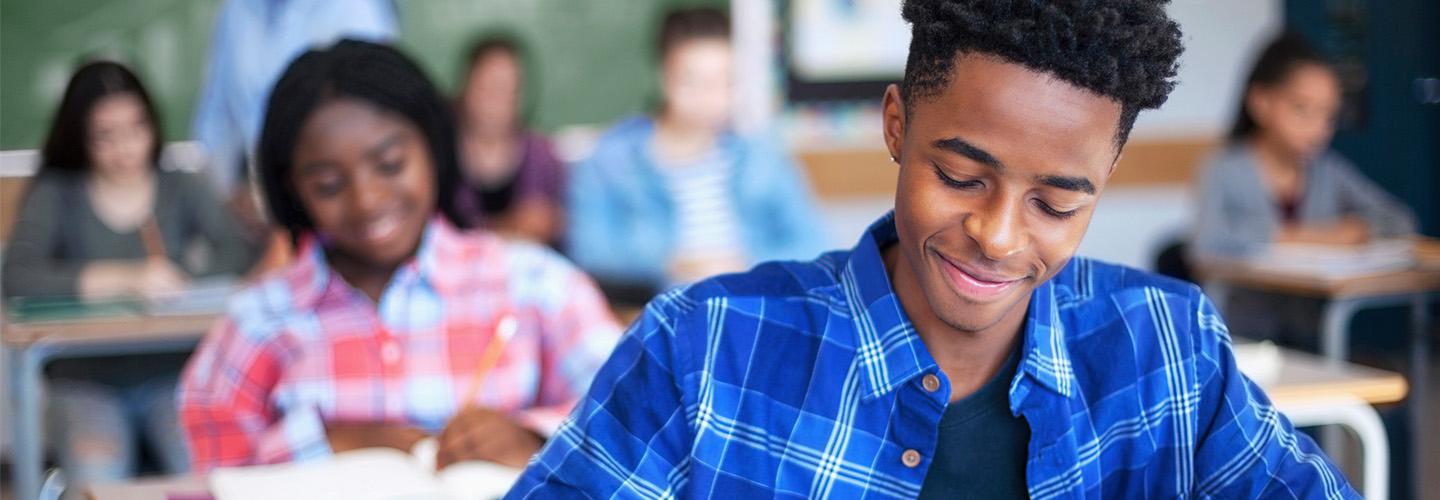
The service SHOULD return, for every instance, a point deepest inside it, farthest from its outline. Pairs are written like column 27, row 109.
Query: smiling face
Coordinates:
column 492, row 94
column 696, row 77
column 1000, row 171
column 1298, row 115
column 366, row 179
column 121, row 136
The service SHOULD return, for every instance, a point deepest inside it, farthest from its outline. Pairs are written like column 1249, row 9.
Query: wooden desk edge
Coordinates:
column 1420, row 280
column 1390, row 388
column 144, row 327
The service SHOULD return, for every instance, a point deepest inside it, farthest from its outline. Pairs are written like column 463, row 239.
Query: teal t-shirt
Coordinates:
column 982, row 447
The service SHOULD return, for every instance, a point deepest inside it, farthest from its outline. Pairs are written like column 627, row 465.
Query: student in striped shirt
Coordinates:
column 960, row 349
column 681, row 196
column 374, row 335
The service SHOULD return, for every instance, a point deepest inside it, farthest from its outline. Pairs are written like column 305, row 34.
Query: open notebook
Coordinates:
column 1338, row 261
column 369, row 474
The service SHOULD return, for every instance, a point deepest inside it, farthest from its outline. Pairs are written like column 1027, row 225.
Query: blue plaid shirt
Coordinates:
column 804, row 380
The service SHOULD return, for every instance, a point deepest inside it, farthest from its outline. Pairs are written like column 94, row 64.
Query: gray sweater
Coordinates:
column 58, row 233
column 1237, row 215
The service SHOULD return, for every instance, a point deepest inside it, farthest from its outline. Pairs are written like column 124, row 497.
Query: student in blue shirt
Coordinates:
column 960, row 349
column 681, row 196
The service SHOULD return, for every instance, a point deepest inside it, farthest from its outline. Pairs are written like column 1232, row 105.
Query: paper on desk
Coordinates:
column 202, row 296
column 1258, row 360
column 369, row 474
column 1337, row 261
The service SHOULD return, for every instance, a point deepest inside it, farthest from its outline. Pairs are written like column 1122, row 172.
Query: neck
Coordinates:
column 968, row 358
column 1272, row 154
column 677, row 140
column 123, row 181
column 368, row 278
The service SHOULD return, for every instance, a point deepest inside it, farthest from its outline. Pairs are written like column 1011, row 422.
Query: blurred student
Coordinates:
column 254, row 40
column 100, row 221
column 1278, row 181
column 515, row 182
column 372, row 336
column 680, row 196
column 960, row 349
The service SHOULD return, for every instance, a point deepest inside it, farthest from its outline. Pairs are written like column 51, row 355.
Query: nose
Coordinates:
column 998, row 227
column 367, row 195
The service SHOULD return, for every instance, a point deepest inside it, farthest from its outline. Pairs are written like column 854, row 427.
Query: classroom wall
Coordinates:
column 1222, row 38
column 594, row 58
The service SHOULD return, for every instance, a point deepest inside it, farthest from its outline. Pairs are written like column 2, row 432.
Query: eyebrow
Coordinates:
column 387, row 143
column 375, row 152
column 959, row 146
column 1079, row 184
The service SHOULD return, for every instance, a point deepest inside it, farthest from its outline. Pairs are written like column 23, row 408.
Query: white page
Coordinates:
column 368, row 474
column 207, row 295
column 1335, row 261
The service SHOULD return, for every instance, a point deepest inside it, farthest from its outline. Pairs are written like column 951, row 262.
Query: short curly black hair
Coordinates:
column 1126, row 50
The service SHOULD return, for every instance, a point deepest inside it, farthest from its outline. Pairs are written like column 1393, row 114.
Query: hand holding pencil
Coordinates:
column 478, row 433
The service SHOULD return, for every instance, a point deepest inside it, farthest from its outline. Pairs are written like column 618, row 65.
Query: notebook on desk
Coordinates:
column 201, row 296
column 1337, row 261
column 207, row 295
column 369, row 474
column 47, row 309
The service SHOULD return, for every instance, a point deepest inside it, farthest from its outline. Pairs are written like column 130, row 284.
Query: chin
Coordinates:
column 967, row 316
column 970, row 323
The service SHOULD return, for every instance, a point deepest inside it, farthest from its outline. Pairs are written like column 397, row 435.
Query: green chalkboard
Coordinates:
column 594, row 57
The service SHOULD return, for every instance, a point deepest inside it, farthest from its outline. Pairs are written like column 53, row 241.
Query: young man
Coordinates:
column 958, row 349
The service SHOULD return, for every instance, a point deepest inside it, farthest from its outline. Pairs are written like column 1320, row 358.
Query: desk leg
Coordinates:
column 25, row 380
column 1335, row 330
column 1335, row 346
column 1368, row 427
column 1419, row 393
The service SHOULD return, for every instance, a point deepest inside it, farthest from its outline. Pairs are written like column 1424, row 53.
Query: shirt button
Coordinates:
column 910, row 458
column 931, row 382
column 390, row 353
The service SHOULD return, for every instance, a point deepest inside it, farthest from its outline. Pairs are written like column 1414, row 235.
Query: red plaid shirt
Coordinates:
column 303, row 347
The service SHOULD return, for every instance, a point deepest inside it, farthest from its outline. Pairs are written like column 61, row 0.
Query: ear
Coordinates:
column 892, row 112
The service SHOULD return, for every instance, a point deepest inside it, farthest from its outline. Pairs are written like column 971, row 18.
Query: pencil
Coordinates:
column 504, row 330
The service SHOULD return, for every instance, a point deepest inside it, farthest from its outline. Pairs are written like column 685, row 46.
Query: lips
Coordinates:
column 976, row 284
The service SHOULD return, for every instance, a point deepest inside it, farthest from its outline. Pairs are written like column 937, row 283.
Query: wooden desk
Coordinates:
column 1343, row 298
column 32, row 344
column 1311, row 391
column 108, row 329
column 1304, row 378
column 1425, row 278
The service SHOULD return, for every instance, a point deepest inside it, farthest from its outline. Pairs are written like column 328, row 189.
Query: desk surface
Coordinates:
column 1390, row 283
column 1303, row 377
column 1424, row 277
column 107, row 329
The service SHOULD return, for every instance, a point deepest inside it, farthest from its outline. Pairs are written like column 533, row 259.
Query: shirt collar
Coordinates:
column 310, row 278
column 888, row 350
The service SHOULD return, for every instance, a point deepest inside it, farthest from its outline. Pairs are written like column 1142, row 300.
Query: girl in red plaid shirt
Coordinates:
column 373, row 335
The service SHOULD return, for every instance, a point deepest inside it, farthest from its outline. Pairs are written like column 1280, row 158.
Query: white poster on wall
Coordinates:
column 847, row 40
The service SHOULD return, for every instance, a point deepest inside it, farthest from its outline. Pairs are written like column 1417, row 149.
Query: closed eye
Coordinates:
column 953, row 182
column 1051, row 211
